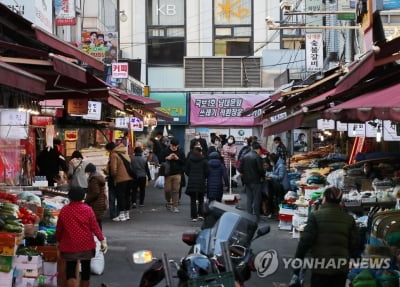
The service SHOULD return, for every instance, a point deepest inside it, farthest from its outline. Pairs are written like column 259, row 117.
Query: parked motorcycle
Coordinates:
column 233, row 227
column 220, row 252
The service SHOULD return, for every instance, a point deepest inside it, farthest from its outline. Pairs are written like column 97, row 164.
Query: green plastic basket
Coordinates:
column 226, row 279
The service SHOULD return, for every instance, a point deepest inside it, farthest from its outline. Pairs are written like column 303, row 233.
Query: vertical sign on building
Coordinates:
column 314, row 52
column 315, row 6
column 65, row 12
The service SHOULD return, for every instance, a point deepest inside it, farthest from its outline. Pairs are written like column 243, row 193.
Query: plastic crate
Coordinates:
column 226, row 279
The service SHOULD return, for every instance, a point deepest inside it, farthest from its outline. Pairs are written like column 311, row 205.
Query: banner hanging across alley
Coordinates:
column 223, row 109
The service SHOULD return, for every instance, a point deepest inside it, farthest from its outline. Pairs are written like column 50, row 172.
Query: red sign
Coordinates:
column 120, row 70
column 41, row 121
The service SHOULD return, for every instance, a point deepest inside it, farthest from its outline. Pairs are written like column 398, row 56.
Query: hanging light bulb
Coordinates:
column 169, row 127
column 322, row 138
column 378, row 134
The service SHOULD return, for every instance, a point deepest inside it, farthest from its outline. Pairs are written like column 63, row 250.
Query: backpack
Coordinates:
column 128, row 167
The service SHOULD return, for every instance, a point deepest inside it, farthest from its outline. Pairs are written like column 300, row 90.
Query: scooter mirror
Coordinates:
column 263, row 230
column 142, row 257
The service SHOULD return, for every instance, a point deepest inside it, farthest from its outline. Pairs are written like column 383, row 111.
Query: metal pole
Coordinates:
column 167, row 270
column 226, row 256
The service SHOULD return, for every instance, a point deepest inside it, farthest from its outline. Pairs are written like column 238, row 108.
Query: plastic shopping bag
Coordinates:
column 97, row 262
column 159, row 183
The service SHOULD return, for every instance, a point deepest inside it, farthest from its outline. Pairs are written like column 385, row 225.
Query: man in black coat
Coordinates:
column 176, row 160
column 203, row 143
column 197, row 170
column 252, row 173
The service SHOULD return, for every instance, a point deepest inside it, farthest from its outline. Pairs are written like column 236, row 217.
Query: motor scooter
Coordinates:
column 217, row 252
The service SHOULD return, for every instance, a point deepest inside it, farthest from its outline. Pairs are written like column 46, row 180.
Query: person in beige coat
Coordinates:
column 121, row 178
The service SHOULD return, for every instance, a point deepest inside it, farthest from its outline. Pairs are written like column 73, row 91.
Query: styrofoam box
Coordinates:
column 285, row 225
column 288, row 211
column 50, row 274
column 298, row 220
column 26, row 282
column 6, row 278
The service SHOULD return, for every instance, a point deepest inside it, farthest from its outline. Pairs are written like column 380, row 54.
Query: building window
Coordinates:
column 165, row 32
column 233, row 28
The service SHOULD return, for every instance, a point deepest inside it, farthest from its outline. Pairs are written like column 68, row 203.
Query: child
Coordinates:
column 217, row 174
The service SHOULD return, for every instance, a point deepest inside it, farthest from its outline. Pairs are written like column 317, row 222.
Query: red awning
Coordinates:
column 148, row 102
column 116, row 102
column 66, row 68
column 291, row 122
column 17, row 78
column 161, row 115
column 319, row 99
column 356, row 72
column 382, row 104
column 66, row 48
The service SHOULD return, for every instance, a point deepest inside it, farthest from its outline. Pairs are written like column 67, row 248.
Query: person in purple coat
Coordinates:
column 217, row 177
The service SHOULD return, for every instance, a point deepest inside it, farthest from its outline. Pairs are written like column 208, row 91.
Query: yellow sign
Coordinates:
column 235, row 9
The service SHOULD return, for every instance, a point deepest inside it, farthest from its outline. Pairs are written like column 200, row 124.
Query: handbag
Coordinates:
column 128, row 167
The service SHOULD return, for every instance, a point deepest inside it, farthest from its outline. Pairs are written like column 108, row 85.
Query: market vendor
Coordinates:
column 370, row 172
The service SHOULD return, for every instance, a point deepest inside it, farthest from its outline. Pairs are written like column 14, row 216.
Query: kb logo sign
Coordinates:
column 166, row 10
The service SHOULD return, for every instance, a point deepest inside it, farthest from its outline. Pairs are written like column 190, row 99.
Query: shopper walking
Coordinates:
column 175, row 158
column 112, row 192
column 217, row 177
column 75, row 231
column 196, row 170
column 252, row 173
column 122, row 180
column 141, row 167
column 331, row 236
column 76, row 170
column 96, row 194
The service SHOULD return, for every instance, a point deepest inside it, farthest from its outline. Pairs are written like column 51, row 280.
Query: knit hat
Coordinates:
column 76, row 193
column 90, row 167
column 333, row 194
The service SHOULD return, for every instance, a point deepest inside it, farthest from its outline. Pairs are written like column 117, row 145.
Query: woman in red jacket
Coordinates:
column 76, row 227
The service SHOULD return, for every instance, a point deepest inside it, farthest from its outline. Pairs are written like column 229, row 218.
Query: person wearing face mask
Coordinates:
column 215, row 145
column 176, row 158
column 203, row 142
column 280, row 148
column 228, row 153
column 96, row 195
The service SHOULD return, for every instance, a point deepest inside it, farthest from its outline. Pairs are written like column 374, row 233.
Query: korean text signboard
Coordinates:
column 223, row 109
column 314, row 52
column 120, row 70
